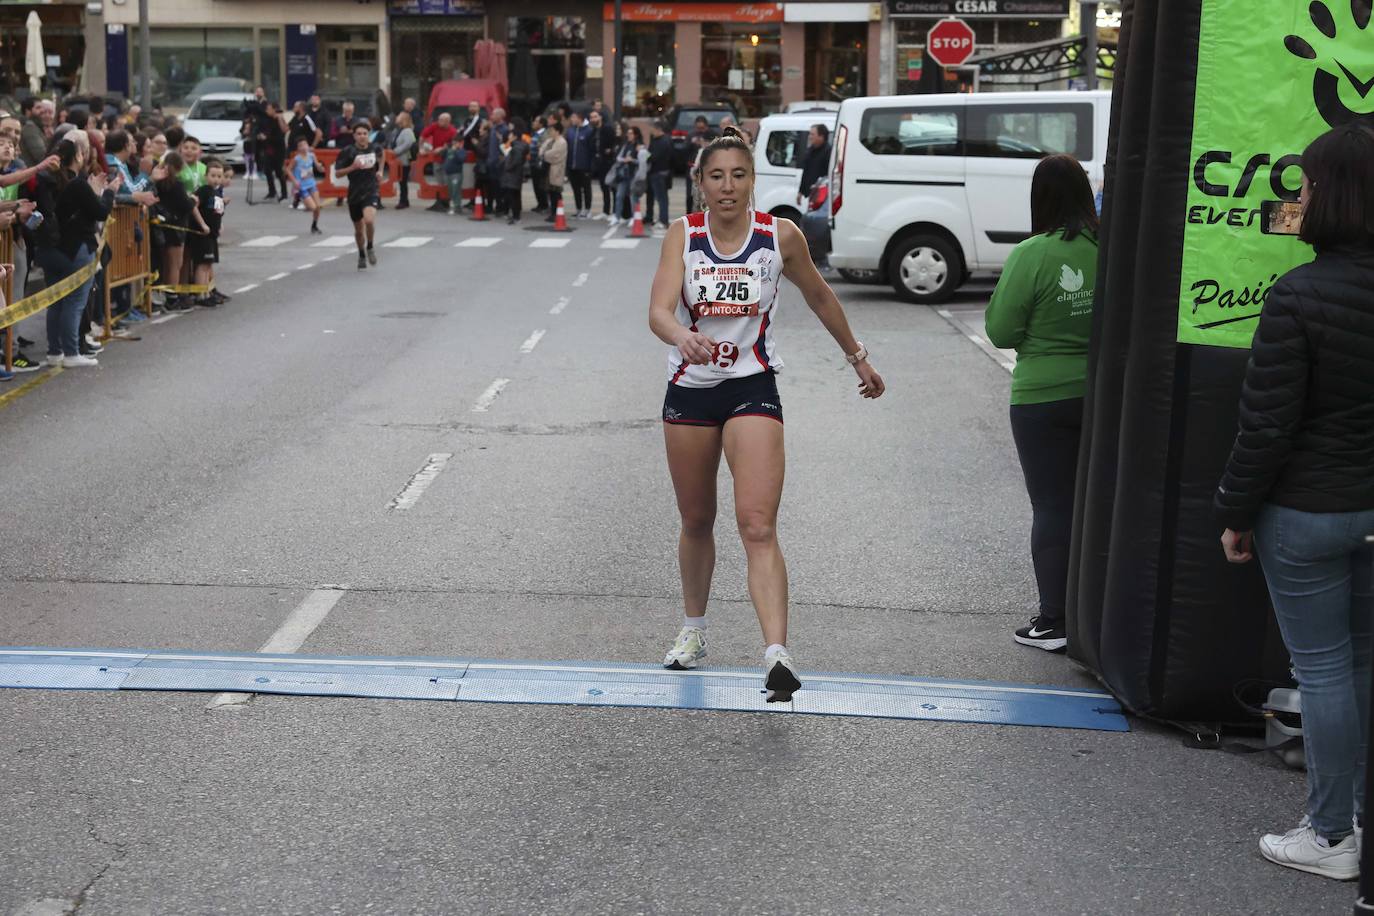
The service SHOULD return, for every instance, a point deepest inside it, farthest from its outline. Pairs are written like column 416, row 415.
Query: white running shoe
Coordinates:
column 780, row 678
column 76, row 362
column 615, row 221
column 1299, row 848
column 689, row 649
column 54, row 360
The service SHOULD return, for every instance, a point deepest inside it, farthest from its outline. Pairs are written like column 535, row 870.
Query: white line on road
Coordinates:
column 559, row 306
column 610, row 232
column 291, row 635
column 332, row 257
column 596, row 262
column 163, row 319
column 409, row 241
column 268, row 241
column 580, row 281
column 549, row 243
column 305, row 266
column 478, row 242
column 279, row 276
column 532, row 341
column 621, row 243
column 244, row 289
column 483, row 402
column 981, row 343
column 411, row 492
column 334, row 241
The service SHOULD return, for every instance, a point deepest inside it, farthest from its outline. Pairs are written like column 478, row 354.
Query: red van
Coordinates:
column 453, row 97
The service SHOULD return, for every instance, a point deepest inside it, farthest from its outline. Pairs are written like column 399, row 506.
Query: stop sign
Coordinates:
column 950, row 42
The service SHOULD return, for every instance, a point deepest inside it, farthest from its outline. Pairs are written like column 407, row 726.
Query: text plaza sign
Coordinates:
column 950, row 42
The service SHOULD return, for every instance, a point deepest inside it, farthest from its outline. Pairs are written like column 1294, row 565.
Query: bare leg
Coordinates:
column 693, row 461
column 754, row 450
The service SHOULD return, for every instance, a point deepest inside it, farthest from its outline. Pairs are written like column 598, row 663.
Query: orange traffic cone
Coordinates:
column 560, row 219
column 479, row 212
column 637, row 227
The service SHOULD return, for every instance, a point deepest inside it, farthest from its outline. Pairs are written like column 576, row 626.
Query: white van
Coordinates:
column 779, row 150
column 928, row 188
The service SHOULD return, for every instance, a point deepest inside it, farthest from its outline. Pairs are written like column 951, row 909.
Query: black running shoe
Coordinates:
column 781, row 681
column 315, row 229
column 1049, row 635
column 362, row 261
column 21, row 342
column 22, row 363
column 371, row 256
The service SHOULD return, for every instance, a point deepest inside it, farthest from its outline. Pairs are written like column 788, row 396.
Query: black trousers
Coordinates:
column 403, row 187
column 1046, row 438
column 271, row 165
column 581, row 181
column 513, row 201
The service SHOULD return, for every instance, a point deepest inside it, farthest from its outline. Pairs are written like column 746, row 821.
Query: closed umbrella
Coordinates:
column 35, row 64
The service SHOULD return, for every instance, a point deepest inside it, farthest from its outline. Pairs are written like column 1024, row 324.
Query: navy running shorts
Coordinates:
column 751, row 396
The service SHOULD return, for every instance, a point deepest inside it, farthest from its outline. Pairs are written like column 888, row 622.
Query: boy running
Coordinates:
column 302, row 175
column 362, row 163
column 204, row 249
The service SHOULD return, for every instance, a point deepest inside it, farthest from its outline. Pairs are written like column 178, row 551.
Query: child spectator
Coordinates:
column 301, row 173
column 204, row 249
column 177, row 212
column 193, row 170
column 454, row 156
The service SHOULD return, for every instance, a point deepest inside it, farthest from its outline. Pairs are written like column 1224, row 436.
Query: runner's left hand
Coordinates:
column 870, row 382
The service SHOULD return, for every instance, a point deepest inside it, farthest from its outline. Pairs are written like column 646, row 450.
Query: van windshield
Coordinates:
column 216, row 110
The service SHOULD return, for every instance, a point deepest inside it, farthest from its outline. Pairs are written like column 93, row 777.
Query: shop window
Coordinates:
column 911, row 131
column 837, row 60
column 185, row 58
column 1030, row 131
column 567, row 32
column 1029, row 31
column 649, row 47
column 785, row 148
column 741, row 63
column 269, row 63
column 546, row 61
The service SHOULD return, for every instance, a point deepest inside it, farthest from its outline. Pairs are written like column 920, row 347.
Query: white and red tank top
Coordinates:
column 733, row 299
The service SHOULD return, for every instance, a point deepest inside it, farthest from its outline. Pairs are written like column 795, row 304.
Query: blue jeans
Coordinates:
column 658, row 188
column 454, row 180
column 64, row 315
column 1321, row 579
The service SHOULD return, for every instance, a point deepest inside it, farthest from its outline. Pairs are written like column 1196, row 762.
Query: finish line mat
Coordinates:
column 571, row 683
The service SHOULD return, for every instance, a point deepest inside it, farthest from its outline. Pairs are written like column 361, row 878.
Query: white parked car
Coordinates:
column 215, row 120
column 779, row 150
column 928, row 188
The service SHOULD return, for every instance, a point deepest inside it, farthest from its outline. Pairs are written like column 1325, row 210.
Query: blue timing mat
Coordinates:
column 572, row 683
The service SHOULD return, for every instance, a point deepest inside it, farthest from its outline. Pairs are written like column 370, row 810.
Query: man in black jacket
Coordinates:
column 660, row 170
column 816, row 163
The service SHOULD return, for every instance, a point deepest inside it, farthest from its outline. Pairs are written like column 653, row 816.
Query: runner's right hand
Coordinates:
column 695, row 347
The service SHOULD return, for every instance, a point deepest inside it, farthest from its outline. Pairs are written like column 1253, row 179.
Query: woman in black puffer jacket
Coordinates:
column 1299, row 489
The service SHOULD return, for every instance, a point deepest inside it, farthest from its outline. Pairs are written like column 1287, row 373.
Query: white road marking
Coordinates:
column 610, row 232
column 981, row 343
column 305, row 266
column 409, row 241
column 279, row 276
column 596, row 262
column 549, row 243
column 483, row 402
column 621, row 243
column 268, row 241
column 559, row 306
column 332, row 257
column 532, row 341
column 477, row 242
column 163, row 319
column 244, row 289
column 410, row 494
column 580, row 281
column 334, row 241
column 291, row 635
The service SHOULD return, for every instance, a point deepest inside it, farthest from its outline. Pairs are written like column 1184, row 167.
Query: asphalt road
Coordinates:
column 198, row 485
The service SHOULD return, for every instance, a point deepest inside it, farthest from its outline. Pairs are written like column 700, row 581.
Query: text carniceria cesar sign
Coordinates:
column 1272, row 75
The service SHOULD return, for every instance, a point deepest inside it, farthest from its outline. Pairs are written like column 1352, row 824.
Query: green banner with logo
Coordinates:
column 1272, row 75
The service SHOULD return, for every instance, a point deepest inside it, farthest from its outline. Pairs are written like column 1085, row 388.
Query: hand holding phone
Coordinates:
column 1280, row 217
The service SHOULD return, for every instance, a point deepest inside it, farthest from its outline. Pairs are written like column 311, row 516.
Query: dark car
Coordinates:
column 815, row 225
column 681, row 121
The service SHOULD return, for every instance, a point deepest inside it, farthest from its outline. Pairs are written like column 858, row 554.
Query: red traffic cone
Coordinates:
column 637, row 227
column 479, row 212
column 560, row 219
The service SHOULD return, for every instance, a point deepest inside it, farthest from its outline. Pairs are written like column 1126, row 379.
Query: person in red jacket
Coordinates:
column 437, row 135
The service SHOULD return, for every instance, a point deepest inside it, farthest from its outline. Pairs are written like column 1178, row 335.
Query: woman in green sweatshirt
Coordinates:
column 1042, row 308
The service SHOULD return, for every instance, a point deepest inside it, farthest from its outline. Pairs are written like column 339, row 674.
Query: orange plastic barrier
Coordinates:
column 332, row 186
column 427, row 171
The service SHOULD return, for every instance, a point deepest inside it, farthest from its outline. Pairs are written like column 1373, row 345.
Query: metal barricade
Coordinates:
column 126, row 237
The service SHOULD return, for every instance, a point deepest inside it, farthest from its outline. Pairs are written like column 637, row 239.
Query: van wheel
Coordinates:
column 924, row 269
column 787, row 213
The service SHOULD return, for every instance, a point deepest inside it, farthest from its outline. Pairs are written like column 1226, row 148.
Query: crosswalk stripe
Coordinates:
column 334, row 241
column 267, row 241
column 409, row 241
column 477, row 242
column 621, row 243
column 549, row 243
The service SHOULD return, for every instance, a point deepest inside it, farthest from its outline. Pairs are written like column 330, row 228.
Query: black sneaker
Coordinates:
column 22, row 363
column 362, row 261
column 371, row 256
column 206, row 302
column 1044, row 634
column 21, row 342
column 219, row 296
column 315, row 229
column 437, row 206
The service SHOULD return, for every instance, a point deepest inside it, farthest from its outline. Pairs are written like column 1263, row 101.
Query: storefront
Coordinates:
column 291, row 50
column 998, row 25
column 64, row 44
column 546, row 61
column 432, row 41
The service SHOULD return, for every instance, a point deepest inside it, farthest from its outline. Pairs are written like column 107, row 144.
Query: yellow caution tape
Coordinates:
column 32, row 305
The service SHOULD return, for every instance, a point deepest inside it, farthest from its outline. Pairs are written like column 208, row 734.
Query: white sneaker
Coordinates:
column 615, row 221
column 780, row 678
column 77, row 362
column 598, row 216
column 54, row 360
column 1299, row 848
column 687, row 650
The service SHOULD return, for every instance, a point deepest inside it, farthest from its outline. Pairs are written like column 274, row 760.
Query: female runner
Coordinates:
column 717, row 312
